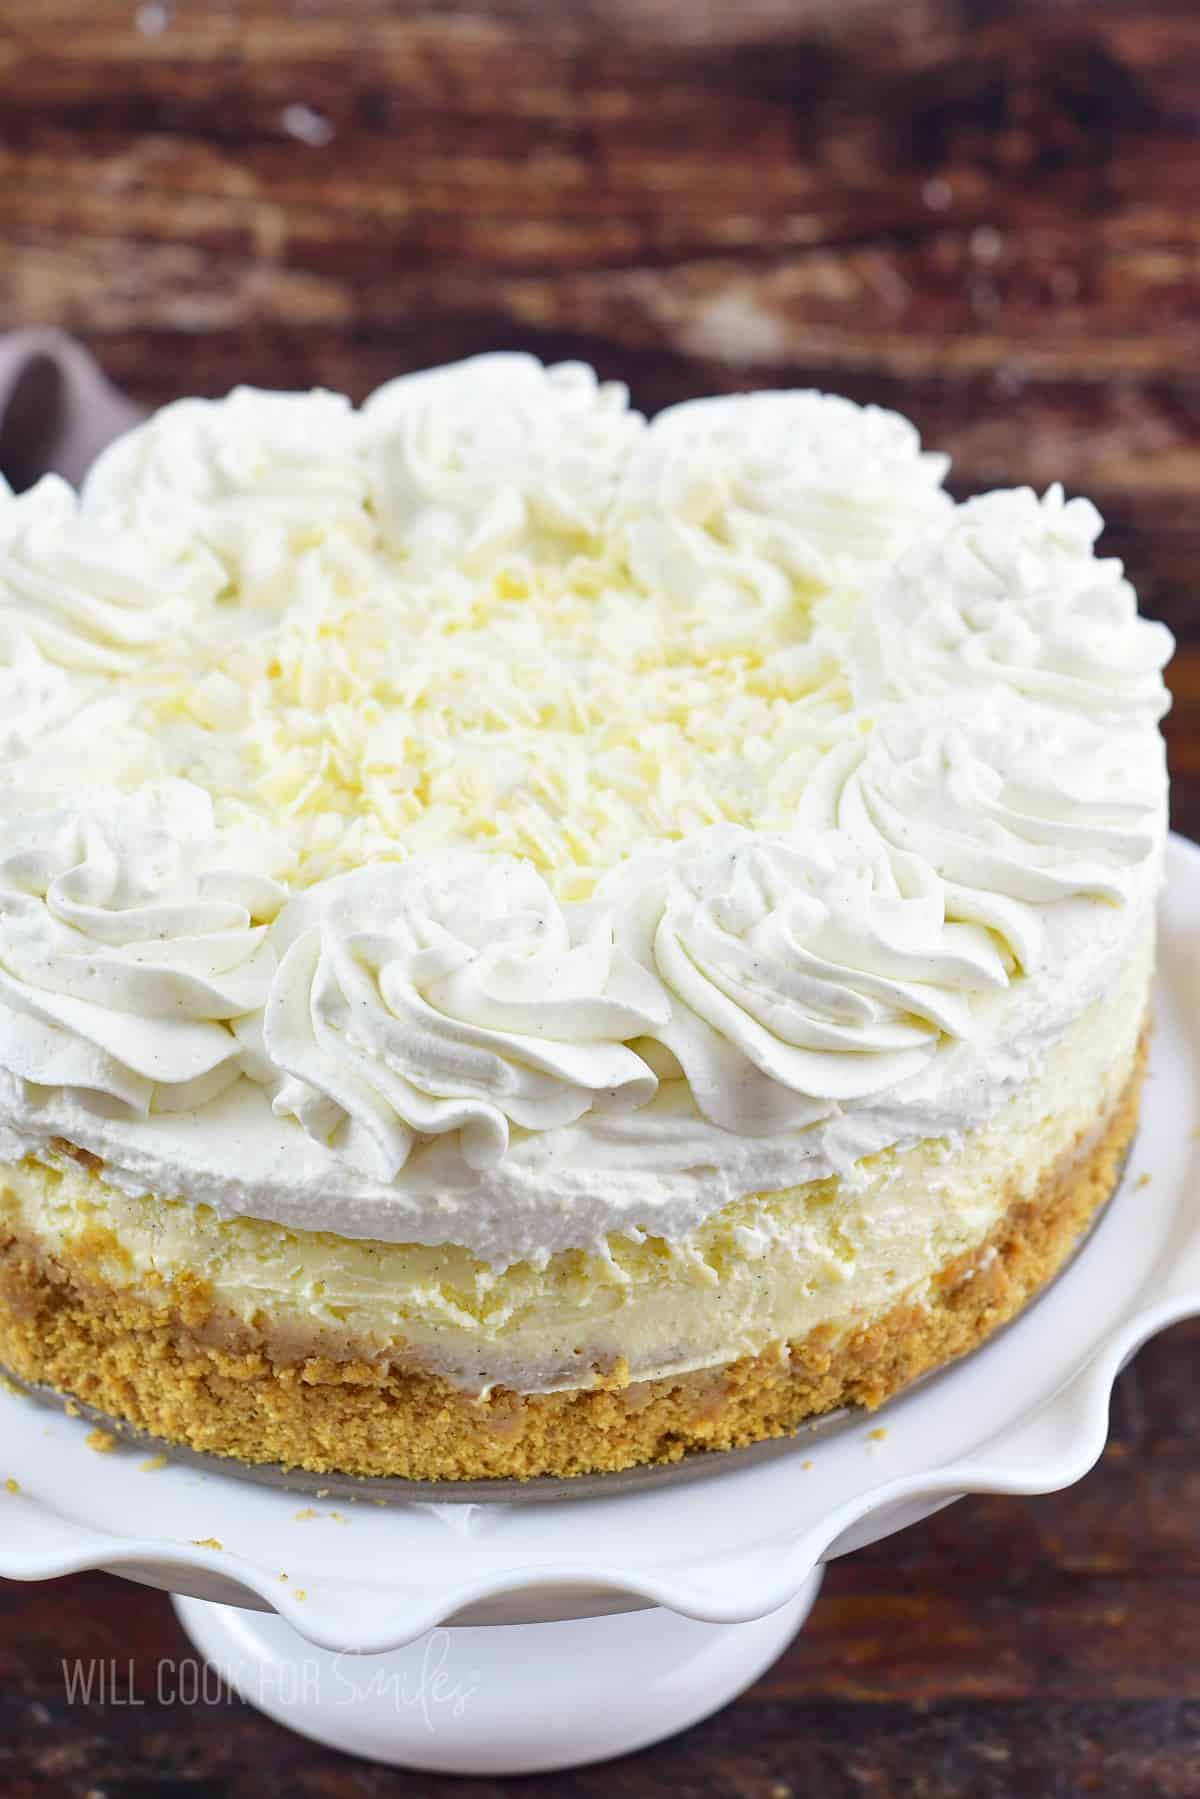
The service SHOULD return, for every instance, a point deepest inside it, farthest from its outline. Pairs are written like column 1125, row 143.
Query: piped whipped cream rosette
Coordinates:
column 35, row 694
column 796, row 973
column 242, row 490
column 69, row 753
column 770, row 495
column 91, row 599
column 497, row 457
column 449, row 994
column 1013, row 805
column 129, row 937
column 1011, row 593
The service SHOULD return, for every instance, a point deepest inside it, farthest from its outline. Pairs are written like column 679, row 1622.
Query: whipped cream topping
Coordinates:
column 126, row 943
column 1012, row 594
column 34, row 694
column 1013, row 805
column 489, row 818
column 796, row 971
column 451, row 994
column 239, row 491
column 759, row 491
column 87, row 597
column 497, row 458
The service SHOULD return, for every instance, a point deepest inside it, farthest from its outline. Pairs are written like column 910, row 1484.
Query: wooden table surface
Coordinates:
column 986, row 212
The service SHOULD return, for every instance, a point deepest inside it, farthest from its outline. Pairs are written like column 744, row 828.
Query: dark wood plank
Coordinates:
column 961, row 209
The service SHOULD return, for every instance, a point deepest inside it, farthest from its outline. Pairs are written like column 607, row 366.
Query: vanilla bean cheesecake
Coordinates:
column 534, row 941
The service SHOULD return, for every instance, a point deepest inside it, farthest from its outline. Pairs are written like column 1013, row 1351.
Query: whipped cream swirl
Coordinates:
column 89, row 598
column 1013, row 593
column 239, row 491
column 34, row 694
column 497, row 457
column 128, row 937
column 1015, row 806
column 449, row 994
column 760, row 493
column 798, row 972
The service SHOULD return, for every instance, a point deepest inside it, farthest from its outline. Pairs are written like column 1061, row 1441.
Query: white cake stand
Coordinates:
column 628, row 1614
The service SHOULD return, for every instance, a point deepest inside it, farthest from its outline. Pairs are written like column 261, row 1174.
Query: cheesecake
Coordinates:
column 535, row 941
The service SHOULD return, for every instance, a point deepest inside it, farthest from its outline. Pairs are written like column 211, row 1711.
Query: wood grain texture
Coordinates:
column 986, row 212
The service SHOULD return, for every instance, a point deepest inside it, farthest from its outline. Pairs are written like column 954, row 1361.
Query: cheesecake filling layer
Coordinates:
column 767, row 1269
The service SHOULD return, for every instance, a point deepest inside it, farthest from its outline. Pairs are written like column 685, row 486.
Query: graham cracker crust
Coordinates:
column 150, row 1364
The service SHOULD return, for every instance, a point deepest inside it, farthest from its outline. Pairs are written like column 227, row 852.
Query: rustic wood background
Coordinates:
column 986, row 212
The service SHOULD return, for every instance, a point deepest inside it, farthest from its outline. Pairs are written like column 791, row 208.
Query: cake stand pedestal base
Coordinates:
column 497, row 1699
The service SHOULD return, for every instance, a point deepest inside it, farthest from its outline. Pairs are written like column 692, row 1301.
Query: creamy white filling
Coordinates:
column 765, row 1269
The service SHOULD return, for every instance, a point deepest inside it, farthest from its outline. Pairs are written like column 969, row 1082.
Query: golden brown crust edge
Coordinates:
column 147, row 1363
